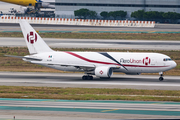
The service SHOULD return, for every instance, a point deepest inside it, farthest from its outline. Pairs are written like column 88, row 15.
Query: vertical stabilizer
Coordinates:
column 34, row 42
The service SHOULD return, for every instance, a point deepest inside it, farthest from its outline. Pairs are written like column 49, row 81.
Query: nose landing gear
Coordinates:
column 161, row 76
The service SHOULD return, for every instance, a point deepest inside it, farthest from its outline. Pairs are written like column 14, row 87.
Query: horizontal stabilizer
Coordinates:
column 22, row 57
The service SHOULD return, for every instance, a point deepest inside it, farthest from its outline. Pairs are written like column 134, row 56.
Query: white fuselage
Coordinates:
column 135, row 63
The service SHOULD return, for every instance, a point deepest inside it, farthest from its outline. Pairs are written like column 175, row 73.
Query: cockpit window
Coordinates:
column 167, row 59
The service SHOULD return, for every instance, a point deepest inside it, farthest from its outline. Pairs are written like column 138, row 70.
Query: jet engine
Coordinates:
column 103, row 71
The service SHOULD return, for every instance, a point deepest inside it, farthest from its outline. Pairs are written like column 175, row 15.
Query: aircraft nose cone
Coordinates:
column 173, row 64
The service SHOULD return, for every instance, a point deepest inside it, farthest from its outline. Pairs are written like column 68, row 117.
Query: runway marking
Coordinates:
column 109, row 110
column 100, row 83
column 92, row 83
column 75, row 31
column 152, row 31
column 158, row 103
column 140, row 112
column 49, row 100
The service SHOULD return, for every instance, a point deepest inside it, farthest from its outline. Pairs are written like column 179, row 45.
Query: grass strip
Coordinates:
column 88, row 93
column 18, row 65
column 126, row 36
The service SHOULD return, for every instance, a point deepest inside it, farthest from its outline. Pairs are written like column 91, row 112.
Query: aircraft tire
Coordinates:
column 87, row 77
column 90, row 77
column 84, row 77
column 161, row 78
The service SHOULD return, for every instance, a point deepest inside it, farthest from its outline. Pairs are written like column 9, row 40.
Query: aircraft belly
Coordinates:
column 153, row 69
column 141, row 69
column 64, row 68
column 67, row 68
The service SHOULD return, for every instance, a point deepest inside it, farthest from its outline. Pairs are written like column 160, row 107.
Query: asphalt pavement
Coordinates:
column 97, row 43
column 75, row 28
column 86, row 108
column 148, row 82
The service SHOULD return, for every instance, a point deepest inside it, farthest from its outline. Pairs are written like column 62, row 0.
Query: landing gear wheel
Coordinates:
column 84, row 77
column 90, row 77
column 161, row 78
column 87, row 77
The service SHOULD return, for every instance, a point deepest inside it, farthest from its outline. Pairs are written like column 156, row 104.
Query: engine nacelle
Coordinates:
column 103, row 71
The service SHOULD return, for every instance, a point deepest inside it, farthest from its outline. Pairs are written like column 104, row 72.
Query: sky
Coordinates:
column 5, row 7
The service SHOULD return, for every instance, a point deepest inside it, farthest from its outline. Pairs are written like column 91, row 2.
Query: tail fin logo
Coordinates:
column 32, row 37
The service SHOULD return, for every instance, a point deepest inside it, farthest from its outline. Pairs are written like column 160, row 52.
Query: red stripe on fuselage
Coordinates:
column 94, row 61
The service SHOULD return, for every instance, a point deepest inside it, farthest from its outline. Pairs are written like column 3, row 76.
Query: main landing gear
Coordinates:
column 87, row 77
column 161, row 76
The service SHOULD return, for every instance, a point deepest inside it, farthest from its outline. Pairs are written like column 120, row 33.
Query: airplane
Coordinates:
column 35, row 3
column 100, row 64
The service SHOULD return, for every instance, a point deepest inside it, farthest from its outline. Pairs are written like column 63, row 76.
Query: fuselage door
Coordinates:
column 153, row 62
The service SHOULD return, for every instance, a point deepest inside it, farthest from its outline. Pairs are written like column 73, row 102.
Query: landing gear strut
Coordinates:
column 87, row 77
column 161, row 76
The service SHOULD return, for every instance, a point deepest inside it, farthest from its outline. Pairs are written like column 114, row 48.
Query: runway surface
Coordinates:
column 87, row 110
column 74, row 80
column 97, row 43
column 123, row 109
column 158, row 27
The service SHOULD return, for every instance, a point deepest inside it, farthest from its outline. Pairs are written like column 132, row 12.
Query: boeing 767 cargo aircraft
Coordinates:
column 100, row 64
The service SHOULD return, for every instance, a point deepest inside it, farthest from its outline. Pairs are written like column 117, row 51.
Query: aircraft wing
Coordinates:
column 79, row 66
column 85, row 67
